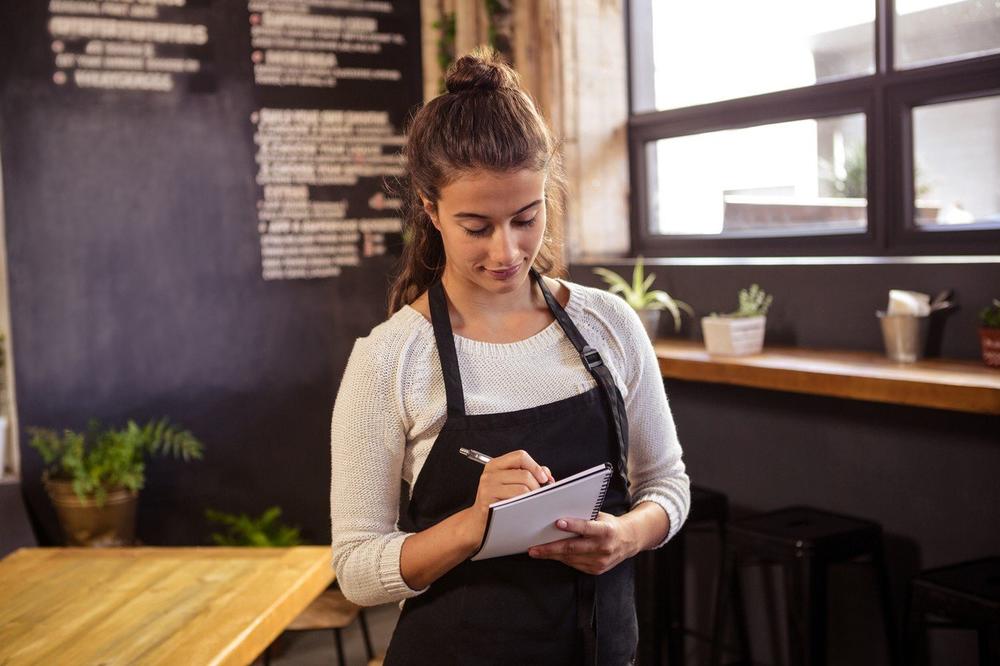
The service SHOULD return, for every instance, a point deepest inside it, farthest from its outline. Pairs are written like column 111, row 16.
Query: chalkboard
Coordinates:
column 197, row 228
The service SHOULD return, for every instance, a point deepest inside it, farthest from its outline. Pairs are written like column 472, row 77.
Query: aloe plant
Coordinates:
column 639, row 295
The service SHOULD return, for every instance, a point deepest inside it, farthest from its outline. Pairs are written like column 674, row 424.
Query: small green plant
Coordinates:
column 639, row 295
column 262, row 532
column 990, row 315
column 99, row 460
column 754, row 302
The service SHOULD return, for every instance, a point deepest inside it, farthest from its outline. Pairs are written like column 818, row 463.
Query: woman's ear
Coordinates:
column 431, row 211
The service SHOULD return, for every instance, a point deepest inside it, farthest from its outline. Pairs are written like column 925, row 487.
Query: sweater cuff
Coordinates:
column 672, row 510
column 389, row 574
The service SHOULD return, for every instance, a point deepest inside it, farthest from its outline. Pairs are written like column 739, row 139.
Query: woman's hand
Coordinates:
column 505, row 476
column 602, row 544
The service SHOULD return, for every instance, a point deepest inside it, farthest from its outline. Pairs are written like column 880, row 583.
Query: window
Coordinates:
column 815, row 127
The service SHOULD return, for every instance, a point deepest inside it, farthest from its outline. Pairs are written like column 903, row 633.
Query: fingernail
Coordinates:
column 561, row 524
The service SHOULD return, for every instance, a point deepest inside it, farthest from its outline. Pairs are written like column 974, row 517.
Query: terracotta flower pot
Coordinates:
column 84, row 523
column 989, row 339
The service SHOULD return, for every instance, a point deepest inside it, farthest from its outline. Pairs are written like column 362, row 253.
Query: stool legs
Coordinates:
column 729, row 586
column 674, row 559
column 888, row 621
column 340, row 646
column 805, row 590
column 369, row 652
column 989, row 644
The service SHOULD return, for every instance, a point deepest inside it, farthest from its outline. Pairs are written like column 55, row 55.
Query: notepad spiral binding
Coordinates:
column 604, row 491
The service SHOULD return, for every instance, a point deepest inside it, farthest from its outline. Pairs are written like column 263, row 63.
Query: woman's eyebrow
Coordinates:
column 479, row 216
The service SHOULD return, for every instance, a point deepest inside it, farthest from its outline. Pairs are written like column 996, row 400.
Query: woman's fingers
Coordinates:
column 520, row 459
column 518, row 477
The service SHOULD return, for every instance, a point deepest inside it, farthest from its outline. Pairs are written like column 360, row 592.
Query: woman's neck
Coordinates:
column 482, row 315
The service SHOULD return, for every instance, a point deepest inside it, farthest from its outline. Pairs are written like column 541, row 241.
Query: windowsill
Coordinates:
column 598, row 260
column 965, row 386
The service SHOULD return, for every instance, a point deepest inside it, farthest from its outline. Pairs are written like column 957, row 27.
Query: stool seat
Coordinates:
column 796, row 530
column 330, row 610
column 967, row 594
column 805, row 541
column 977, row 582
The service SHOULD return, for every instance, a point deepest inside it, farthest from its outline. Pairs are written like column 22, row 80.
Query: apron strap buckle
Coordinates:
column 591, row 358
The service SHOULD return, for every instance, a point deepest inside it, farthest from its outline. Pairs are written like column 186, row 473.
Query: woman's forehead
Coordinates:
column 493, row 192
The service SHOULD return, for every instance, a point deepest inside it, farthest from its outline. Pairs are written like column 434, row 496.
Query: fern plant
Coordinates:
column 99, row 460
column 262, row 532
column 640, row 296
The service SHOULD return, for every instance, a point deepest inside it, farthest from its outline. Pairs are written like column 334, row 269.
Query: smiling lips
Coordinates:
column 505, row 274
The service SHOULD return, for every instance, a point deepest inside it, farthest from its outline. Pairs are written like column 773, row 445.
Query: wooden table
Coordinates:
column 188, row 606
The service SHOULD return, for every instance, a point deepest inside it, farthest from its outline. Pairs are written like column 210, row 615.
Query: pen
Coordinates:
column 482, row 458
column 475, row 455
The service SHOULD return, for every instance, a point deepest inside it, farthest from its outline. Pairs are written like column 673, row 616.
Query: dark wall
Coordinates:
column 928, row 476
column 136, row 287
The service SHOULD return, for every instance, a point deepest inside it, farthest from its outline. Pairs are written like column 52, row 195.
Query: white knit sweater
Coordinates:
column 391, row 406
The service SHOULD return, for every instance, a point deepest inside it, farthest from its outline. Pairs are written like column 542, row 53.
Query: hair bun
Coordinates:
column 483, row 69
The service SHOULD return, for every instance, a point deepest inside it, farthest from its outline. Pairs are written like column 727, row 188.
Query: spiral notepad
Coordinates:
column 517, row 524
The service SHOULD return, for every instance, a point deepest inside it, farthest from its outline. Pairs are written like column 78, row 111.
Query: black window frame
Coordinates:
column 886, row 97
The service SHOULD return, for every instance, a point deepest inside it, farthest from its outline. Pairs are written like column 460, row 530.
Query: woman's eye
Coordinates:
column 486, row 230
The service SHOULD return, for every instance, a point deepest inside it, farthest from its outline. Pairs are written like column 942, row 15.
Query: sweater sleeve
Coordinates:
column 367, row 443
column 655, row 465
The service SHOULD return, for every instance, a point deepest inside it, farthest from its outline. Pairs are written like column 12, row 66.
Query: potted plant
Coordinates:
column 989, row 333
column 93, row 478
column 647, row 303
column 741, row 332
column 263, row 532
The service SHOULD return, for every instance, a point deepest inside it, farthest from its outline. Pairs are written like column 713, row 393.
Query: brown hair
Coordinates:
column 484, row 121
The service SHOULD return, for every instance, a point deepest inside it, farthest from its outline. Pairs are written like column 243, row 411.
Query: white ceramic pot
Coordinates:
column 733, row 336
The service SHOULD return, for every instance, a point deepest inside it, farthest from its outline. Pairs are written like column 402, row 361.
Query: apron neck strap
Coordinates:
column 446, row 350
column 595, row 365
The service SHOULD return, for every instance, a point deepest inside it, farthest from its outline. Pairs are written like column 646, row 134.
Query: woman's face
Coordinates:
column 492, row 224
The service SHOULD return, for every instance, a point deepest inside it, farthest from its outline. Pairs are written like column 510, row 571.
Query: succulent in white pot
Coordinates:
column 648, row 303
column 741, row 332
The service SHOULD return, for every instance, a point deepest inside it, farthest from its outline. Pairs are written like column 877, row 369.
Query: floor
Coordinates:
column 316, row 648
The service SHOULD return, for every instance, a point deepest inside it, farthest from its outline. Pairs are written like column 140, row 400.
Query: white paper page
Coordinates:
column 529, row 519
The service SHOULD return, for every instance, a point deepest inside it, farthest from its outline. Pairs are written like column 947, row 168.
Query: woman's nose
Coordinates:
column 503, row 249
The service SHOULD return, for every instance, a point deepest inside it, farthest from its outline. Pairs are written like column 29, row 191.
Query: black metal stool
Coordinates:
column 805, row 542
column 966, row 594
column 660, row 583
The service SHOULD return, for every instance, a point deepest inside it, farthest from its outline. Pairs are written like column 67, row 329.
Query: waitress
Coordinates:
column 485, row 350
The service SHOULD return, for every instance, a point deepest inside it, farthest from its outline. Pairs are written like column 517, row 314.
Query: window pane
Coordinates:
column 935, row 30
column 956, row 150
column 800, row 177
column 711, row 51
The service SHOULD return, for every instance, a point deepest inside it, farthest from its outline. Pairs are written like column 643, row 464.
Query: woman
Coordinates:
column 484, row 351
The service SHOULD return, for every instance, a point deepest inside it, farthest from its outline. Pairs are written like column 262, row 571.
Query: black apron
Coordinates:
column 516, row 609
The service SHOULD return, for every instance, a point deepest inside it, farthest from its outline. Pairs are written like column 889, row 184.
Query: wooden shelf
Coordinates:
column 965, row 386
